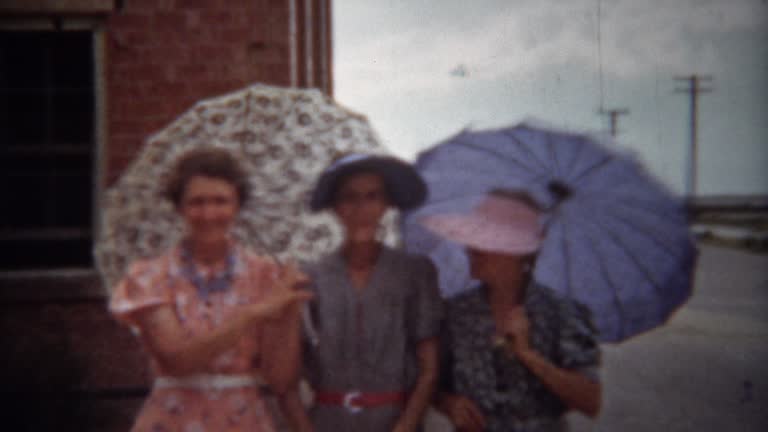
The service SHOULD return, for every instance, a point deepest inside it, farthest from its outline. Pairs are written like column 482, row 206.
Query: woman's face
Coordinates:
column 491, row 266
column 209, row 207
column 360, row 202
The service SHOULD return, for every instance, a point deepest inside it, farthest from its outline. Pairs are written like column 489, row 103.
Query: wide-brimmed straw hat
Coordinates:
column 404, row 185
column 498, row 224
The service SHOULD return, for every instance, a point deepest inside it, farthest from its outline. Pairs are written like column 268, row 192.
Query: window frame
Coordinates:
column 97, row 28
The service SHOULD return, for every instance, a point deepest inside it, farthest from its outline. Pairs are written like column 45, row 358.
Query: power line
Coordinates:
column 694, row 88
column 613, row 114
column 600, row 52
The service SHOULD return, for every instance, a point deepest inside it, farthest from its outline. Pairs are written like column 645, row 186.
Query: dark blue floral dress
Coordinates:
column 510, row 396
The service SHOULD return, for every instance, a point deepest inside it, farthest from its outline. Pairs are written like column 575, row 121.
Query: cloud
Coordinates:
column 673, row 36
column 636, row 39
column 394, row 61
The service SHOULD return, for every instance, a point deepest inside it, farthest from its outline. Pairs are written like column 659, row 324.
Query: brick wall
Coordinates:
column 163, row 56
column 66, row 364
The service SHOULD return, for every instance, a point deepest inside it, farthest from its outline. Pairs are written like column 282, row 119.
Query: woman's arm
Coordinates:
column 574, row 388
column 577, row 390
column 293, row 409
column 180, row 354
column 465, row 415
column 281, row 337
column 281, row 350
column 427, row 353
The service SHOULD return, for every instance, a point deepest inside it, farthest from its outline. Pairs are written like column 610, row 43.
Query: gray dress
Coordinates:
column 368, row 337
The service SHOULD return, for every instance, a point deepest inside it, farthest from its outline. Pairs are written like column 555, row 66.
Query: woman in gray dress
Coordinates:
column 376, row 309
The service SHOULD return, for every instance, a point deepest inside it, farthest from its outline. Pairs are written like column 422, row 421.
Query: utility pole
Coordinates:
column 694, row 88
column 613, row 115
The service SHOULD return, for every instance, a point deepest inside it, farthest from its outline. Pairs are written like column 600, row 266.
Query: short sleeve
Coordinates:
column 578, row 347
column 425, row 308
column 144, row 285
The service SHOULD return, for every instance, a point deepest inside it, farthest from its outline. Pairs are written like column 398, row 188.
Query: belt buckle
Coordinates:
column 349, row 400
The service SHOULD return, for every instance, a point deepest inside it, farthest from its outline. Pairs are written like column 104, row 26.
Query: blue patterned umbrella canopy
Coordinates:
column 616, row 239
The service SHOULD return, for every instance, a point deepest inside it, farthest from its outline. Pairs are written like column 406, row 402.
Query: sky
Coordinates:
column 422, row 70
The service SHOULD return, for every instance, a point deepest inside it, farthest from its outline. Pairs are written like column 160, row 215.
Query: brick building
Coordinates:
column 82, row 84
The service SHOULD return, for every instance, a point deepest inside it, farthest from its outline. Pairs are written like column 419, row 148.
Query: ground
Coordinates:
column 707, row 369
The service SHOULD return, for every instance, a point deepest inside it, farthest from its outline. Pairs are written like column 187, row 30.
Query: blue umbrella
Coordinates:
column 616, row 239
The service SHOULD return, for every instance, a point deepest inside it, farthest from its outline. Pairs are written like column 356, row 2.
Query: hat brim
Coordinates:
column 405, row 187
column 479, row 233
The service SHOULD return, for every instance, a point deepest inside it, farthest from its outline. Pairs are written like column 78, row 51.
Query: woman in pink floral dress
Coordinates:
column 217, row 320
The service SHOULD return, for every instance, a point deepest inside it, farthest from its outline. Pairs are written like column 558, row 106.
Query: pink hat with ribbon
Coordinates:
column 498, row 224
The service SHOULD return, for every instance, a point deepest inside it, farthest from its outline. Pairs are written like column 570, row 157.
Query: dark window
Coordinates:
column 46, row 149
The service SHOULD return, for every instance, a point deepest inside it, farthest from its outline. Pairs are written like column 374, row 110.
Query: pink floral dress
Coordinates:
column 161, row 281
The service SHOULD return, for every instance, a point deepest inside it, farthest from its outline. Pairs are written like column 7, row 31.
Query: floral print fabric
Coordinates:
column 161, row 281
column 283, row 137
column 510, row 396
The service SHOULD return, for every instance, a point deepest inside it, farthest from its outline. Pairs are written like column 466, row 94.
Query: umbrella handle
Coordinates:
column 309, row 327
column 306, row 317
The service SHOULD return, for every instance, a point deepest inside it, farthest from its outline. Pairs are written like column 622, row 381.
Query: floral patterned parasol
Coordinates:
column 285, row 138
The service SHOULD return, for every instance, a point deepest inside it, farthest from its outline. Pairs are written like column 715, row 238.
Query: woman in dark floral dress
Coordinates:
column 517, row 355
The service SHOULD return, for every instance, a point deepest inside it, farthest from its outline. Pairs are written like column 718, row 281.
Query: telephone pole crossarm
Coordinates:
column 613, row 115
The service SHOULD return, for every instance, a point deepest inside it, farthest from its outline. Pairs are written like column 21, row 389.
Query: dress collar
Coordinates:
column 221, row 281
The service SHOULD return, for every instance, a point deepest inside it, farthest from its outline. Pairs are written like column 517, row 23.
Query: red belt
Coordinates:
column 355, row 401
